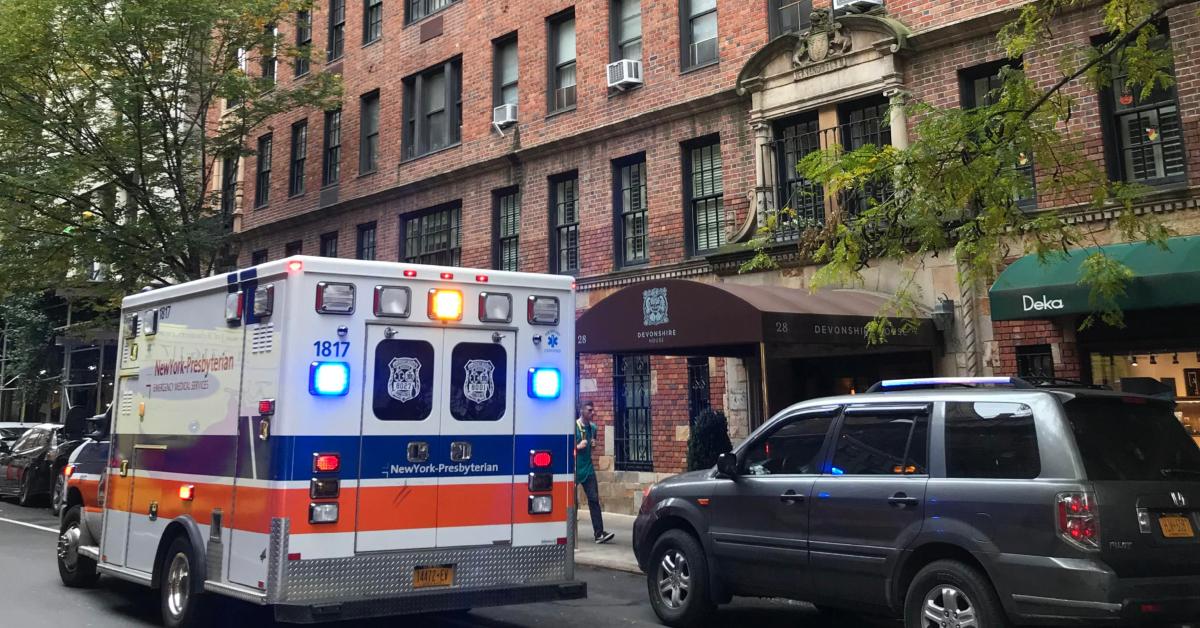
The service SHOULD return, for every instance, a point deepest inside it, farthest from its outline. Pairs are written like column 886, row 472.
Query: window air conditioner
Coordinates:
column 504, row 115
column 855, row 6
column 625, row 73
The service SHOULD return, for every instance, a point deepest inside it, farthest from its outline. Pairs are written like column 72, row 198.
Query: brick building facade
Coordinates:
column 662, row 181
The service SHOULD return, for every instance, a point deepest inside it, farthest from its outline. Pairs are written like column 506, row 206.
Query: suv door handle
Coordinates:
column 903, row 501
column 791, row 497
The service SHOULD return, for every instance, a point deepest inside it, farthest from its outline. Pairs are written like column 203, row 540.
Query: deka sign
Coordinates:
column 1029, row 303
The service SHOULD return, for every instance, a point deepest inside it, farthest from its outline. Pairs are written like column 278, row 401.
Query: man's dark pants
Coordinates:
column 593, row 500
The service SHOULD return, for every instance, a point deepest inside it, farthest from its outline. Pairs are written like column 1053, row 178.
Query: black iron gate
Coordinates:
column 631, row 379
column 698, row 387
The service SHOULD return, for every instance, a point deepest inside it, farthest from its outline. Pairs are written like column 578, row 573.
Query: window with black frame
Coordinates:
column 634, row 433
column 303, row 63
column 329, row 244
column 433, row 109
column 229, row 176
column 368, row 149
column 336, row 43
column 789, row 16
column 364, row 245
column 794, row 139
column 299, row 157
column 629, row 203
column 865, row 123
column 627, row 29
column 372, row 20
column 269, row 61
column 508, row 229
column 295, row 247
column 562, row 62
column 1143, row 133
column 698, row 32
column 262, row 175
column 506, row 71
column 332, row 155
column 564, row 213
column 1035, row 361
column 705, row 190
column 980, row 87
column 433, row 237
column 421, row 9
column 258, row 257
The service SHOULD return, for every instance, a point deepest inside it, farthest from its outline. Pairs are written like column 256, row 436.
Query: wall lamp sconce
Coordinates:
column 943, row 314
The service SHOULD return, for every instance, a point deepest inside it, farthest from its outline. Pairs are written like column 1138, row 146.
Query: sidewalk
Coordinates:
column 617, row 553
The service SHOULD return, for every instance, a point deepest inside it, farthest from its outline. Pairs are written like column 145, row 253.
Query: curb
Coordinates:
column 602, row 562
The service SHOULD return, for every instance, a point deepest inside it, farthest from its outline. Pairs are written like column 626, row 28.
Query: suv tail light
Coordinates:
column 1079, row 520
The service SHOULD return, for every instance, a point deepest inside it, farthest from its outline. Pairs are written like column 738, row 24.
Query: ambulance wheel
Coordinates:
column 677, row 580
column 75, row 570
column 183, row 599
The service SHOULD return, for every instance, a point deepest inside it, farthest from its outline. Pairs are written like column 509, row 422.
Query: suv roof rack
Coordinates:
column 1060, row 382
column 918, row 383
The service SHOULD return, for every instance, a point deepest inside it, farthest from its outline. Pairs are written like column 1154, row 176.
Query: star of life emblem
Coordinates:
column 479, row 385
column 654, row 307
column 404, row 379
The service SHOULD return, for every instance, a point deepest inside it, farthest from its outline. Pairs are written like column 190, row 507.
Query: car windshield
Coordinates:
column 1131, row 438
column 11, row 433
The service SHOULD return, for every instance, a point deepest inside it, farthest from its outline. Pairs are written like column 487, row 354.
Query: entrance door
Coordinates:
column 437, row 438
column 871, row 504
column 476, row 448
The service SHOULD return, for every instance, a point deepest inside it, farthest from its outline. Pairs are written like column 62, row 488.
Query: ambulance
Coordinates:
column 338, row 439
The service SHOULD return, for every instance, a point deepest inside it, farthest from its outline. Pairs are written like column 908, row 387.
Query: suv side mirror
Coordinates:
column 727, row 465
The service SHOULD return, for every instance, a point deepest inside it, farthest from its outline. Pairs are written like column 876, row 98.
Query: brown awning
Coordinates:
column 682, row 317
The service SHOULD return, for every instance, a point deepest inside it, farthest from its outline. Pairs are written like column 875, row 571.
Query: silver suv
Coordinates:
column 952, row 502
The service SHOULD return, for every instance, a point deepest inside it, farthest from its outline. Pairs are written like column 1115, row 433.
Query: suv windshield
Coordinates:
column 1131, row 438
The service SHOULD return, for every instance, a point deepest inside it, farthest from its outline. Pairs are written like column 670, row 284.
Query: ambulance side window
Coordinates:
column 478, row 382
column 403, row 388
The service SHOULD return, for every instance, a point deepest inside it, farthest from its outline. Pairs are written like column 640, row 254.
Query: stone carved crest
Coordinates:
column 823, row 40
column 654, row 307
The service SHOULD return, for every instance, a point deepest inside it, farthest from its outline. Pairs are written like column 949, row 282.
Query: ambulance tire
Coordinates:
column 183, row 601
column 677, row 581
column 75, row 570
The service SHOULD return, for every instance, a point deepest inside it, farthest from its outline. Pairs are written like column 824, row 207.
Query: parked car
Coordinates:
column 95, row 442
column 24, row 471
column 10, row 432
column 945, row 502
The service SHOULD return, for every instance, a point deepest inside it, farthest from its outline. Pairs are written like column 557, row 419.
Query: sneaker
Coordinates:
column 604, row 538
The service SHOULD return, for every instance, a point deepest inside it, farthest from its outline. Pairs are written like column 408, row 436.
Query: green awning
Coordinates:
column 1029, row 288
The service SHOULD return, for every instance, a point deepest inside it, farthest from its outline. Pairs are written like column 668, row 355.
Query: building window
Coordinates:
column 562, row 61
column 505, row 71
column 1035, row 361
column 796, row 138
column 331, row 156
column 980, row 87
column 299, row 156
column 420, row 9
column 372, row 20
column 704, row 189
column 1144, row 135
column 295, row 247
column 508, row 229
column 269, row 61
column 337, row 30
column 329, row 244
column 627, row 29
column 229, row 174
column 303, row 42
column 258, row 257
column 368, row 149
column 364, row 245
column 564, row 213
column 699, row 398
column 865, row 123
column 789, row 16
column 262, row 176
column 433, row 237
column 698, row 32
column 433, row 109
column 629, row 202
column 633, row 436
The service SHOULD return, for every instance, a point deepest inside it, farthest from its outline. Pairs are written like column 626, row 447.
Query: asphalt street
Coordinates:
column 31, row 595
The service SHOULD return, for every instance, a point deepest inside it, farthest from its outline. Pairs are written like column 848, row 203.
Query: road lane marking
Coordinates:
column 29, row 525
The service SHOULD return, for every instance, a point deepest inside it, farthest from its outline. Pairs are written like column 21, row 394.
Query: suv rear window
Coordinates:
column 991, row 440
column 1131, row 439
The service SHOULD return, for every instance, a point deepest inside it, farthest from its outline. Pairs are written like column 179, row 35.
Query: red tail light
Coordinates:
column 266, row 407
column 68, row 471
column 187, row 492
column 326, row 463
column 540, row 459
column 1079, row 520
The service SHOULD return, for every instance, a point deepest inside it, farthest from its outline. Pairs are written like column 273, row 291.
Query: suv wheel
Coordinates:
column 950, row 594
column 75, row 570
column 678, row 580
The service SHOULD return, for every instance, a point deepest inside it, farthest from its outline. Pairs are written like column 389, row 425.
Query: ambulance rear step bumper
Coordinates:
column 430, row 602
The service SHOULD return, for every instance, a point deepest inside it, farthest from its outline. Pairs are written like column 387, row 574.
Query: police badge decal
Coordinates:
column 404, row 379
column 479, row 386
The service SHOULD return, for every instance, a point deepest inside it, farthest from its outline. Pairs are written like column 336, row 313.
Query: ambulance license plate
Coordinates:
column 1176, row 527
column 441, row 576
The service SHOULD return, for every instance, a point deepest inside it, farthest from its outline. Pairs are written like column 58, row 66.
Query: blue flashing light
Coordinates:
column 934, row 381
column 545, row 383
column 837, row 471
column 329, row 379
